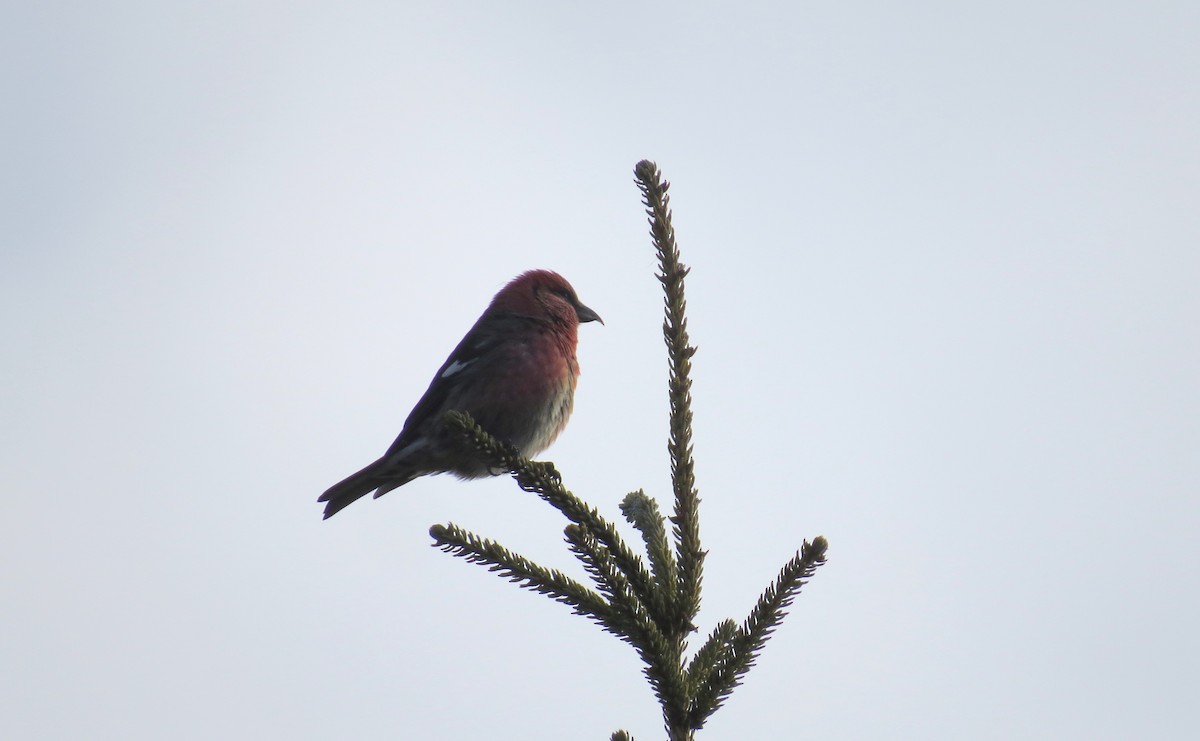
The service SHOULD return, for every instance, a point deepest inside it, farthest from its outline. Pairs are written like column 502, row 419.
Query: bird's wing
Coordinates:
column 464, row 363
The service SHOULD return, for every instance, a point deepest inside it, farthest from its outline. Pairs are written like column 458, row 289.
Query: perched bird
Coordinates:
column 514, row 372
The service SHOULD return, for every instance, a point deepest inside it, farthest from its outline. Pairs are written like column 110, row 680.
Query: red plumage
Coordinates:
column 514, row 372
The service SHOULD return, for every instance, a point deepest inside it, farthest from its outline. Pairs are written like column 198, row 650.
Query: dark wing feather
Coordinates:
column 468, row 358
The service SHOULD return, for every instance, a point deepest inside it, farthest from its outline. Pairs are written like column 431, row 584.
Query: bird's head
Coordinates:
column 544, row 294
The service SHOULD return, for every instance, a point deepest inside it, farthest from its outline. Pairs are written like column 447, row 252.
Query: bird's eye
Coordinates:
column 564, row 294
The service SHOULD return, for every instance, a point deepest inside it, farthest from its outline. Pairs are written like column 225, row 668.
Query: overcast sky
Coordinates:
column 945, row 261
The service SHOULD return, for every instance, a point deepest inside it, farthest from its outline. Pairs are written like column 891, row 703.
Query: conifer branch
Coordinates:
column 635, row 625
column 642, row 512
column 598, row 563
column 542, row 479
column 713, row 650
column 516, row 568
column 687, row 500
column 639, row 627
column 744, row 645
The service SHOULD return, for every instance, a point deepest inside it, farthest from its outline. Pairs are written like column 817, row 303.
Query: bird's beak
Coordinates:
column 586, row 315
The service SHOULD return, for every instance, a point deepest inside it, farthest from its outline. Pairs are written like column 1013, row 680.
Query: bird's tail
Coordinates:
column 373, row 478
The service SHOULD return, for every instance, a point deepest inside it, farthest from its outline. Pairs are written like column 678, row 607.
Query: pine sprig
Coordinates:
column 744, row 645
column 642, row 512
column 516, row 568
column 717, row 646
column 638, row 628
column 679, row 352
column 544, row 480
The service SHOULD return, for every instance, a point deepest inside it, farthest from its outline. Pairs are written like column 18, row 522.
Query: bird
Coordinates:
column 514, row 372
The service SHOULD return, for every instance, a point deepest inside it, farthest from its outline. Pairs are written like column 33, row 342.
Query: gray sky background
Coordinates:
column 945, row 265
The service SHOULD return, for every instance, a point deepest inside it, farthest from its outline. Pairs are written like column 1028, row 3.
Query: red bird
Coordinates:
column 514, row 372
